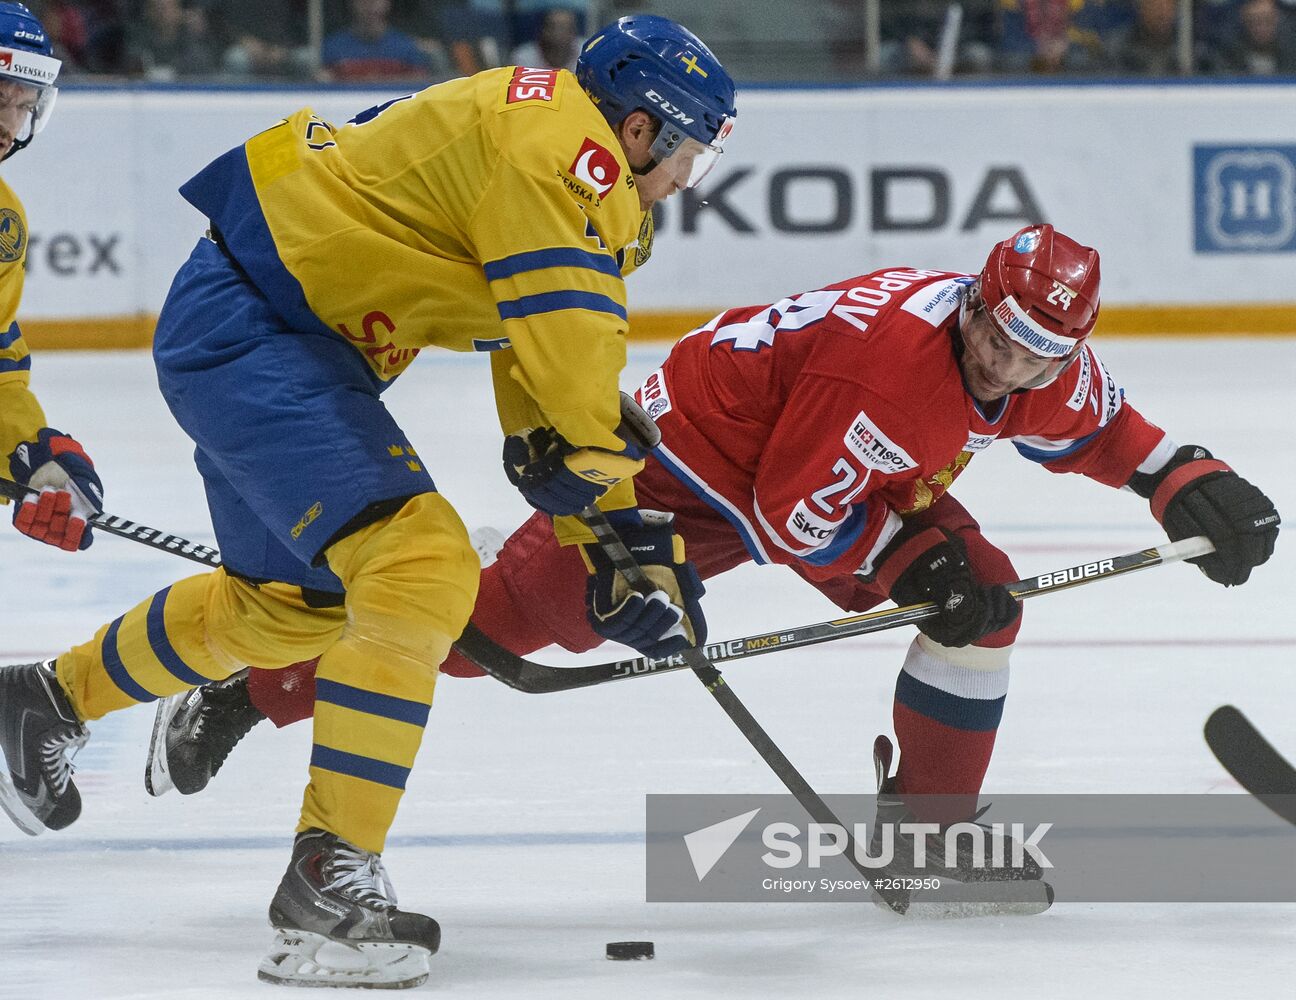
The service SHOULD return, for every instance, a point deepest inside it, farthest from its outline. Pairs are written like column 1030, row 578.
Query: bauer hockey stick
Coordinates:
column 538, row 678
column 123, row 528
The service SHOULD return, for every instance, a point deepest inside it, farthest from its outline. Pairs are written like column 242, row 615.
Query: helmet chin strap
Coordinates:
column 644, row 171
column 17, row 145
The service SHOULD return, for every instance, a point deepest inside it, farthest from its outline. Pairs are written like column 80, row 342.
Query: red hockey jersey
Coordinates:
column 815, row 424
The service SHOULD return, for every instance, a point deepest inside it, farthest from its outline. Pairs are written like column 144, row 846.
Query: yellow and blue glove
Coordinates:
column 557, row 478
column 669, row 619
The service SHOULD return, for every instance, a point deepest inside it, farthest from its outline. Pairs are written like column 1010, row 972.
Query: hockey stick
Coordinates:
column 1003, row 898
column 538, row 678
column 1252, row 760
column 119, row 526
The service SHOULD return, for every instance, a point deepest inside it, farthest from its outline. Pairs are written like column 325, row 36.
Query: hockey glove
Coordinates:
column 70, row 492
column 668, row 620
column 932, row 566
column 558, row 478
column 1195, row 494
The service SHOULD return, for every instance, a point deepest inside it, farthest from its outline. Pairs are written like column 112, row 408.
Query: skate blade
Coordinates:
column 157, row 777
column 13, row 805
column 966, row 900
column 300, row 958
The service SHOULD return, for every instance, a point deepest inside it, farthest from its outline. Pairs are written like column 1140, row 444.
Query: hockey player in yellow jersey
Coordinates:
column 497, row 213
column 66, row 491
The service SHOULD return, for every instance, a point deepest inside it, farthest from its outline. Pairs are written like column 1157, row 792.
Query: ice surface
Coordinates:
column 522, row 828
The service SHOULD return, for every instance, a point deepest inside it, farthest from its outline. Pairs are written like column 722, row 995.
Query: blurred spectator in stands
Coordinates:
column 68, row 28
column 371, row 49
column 1149, row 45
column 169, row 40
column 87, row 35
column 912, row 33
column 1263, row 43
column 1054, row 36
column 557, row 43
column 265, row 38
column 453, row 31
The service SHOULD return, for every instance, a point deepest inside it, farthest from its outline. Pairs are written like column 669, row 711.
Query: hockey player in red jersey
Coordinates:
column 824, row 432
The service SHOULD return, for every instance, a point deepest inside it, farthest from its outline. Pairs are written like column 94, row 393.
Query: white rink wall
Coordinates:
column 1188, row 190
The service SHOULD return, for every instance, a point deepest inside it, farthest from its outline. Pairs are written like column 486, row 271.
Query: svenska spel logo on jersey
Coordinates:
column 596, row 167
column 13, row 236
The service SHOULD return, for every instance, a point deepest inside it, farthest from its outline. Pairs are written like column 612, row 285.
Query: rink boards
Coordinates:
column 1189, row 192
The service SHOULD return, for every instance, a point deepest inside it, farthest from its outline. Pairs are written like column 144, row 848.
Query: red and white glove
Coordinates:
column 69, row 492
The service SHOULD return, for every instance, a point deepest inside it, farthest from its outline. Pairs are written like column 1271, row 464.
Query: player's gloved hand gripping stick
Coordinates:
column 123, row 528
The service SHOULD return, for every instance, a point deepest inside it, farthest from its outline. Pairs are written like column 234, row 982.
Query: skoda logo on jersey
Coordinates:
column 1027, row 242
column 13, row 236
column 596, row 167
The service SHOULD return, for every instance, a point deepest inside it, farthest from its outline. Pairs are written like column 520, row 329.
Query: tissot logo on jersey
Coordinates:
column 531, row 85
column 596, row 167
column 874, row 448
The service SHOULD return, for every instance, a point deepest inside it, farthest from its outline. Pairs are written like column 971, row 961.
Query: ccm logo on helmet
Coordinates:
column 668, row 108
column 596, row 167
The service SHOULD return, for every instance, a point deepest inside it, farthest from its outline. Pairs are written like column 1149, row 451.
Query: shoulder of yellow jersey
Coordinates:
column 544, row 123
column 13, row 228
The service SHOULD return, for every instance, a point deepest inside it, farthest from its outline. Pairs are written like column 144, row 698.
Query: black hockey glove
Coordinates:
column 558, row 478
column 1195, row 494
column 932, row 566
column 667, row 621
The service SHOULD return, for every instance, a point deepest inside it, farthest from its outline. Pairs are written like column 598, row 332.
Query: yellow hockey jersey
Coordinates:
column 20, row 414
column 492, row 213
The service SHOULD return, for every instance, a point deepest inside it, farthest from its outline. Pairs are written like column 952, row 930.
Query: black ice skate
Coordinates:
column 924, row 885
column 337, row 924
column 193, row 733
column 968, row 866
column 38, row 734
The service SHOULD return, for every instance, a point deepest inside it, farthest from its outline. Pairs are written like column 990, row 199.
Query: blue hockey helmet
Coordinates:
column 651, row 63
column 27, row 57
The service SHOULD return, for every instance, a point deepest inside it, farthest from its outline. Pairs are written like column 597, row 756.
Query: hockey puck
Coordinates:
column 625, row 951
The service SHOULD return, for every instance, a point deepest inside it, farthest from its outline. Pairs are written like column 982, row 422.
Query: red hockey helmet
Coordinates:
column 1040, row 289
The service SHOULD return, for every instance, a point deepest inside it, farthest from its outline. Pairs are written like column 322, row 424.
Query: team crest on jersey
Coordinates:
column 13, row 236
column 595, row 167
column 643, row 248
column 528, row 85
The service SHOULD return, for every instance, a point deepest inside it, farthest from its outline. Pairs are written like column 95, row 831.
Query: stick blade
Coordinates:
column 1252, row 760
